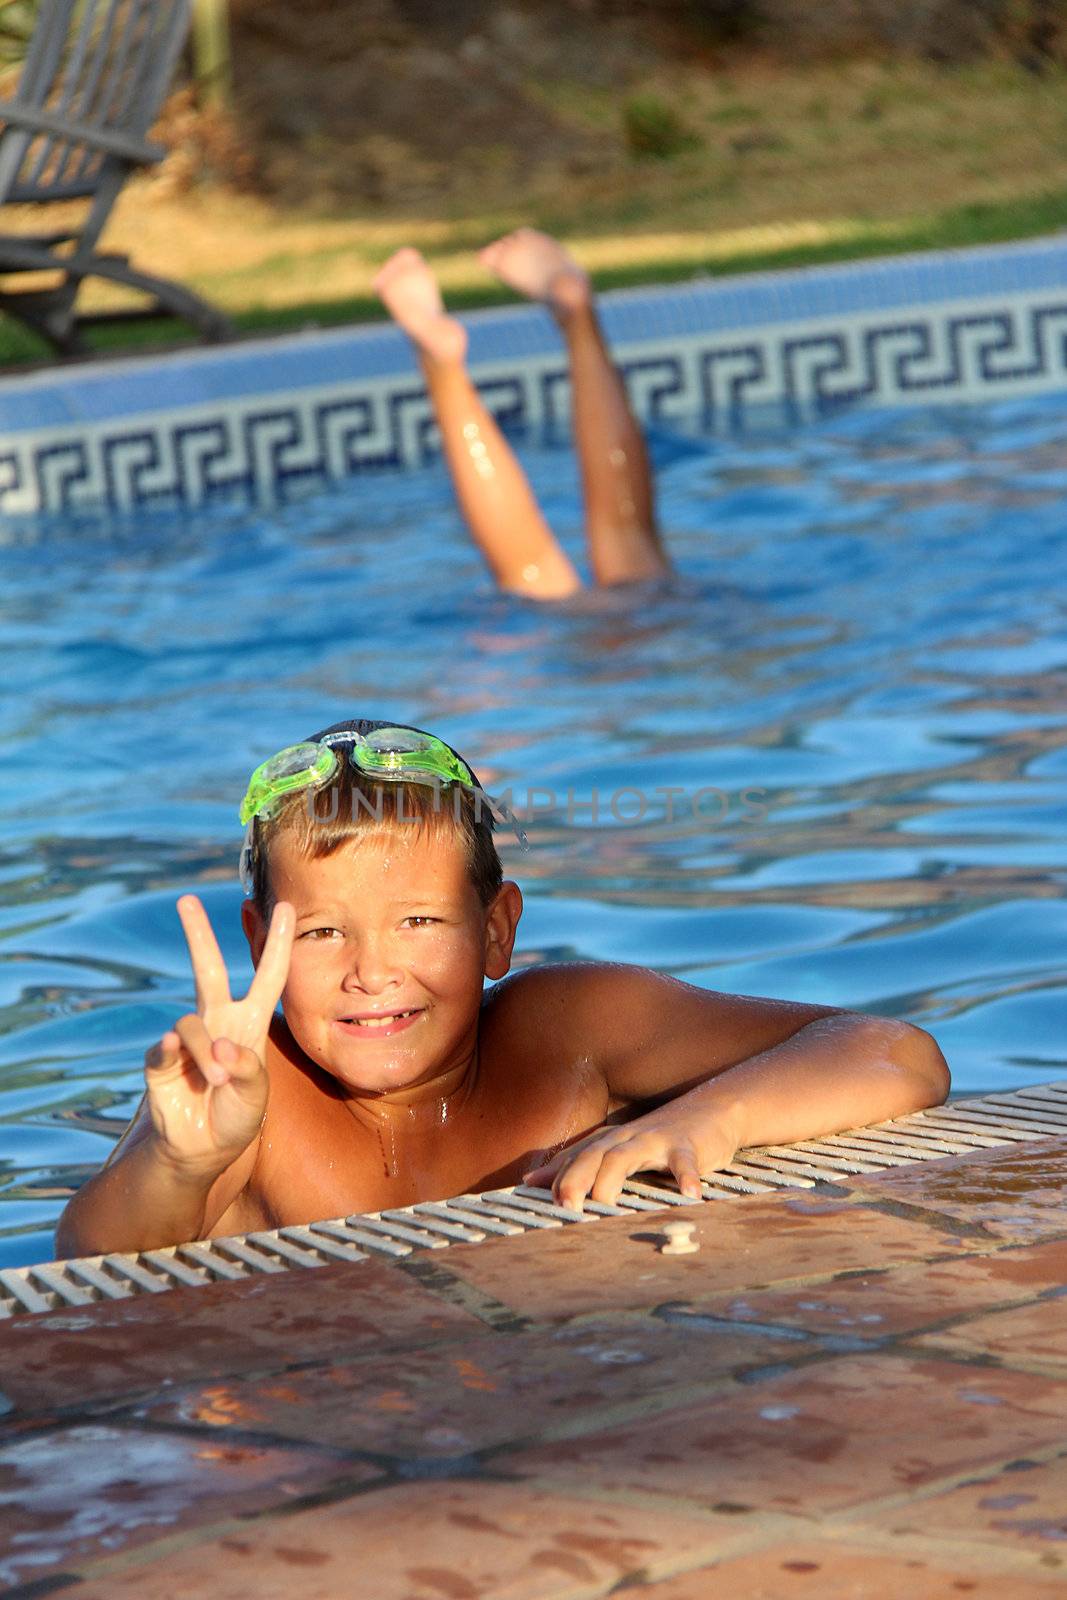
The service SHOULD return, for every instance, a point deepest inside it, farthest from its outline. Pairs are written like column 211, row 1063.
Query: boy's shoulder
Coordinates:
column 529, row 1016
column 619, row 1017
column 559, row 1005
column 550, row 984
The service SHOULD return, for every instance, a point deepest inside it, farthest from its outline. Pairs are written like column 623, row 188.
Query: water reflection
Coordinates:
column 869, row 630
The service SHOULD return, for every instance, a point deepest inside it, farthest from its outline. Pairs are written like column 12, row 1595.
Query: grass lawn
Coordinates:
column 779, row 168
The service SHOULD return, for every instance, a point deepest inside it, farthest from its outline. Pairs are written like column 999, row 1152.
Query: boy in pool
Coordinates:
column 376, row 907
column 493, row 493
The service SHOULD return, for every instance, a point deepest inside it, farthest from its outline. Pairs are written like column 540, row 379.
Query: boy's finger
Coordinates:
column 618, row 1165
column 683, row 1164
column 209, row 969
column 541, row 1177
column 273, row 968
column 237, row 1061
column 544, row 1174
column 200, row 1046
column 576, row 1179
column 164, row 1055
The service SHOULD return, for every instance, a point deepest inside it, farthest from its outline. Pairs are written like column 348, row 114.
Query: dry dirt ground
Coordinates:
column 358, row 125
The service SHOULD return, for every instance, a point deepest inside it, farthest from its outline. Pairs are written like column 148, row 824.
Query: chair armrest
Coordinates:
column 137, row 151
column 48, row 240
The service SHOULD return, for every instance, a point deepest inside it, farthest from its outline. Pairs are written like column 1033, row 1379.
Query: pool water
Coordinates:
column 857, row 686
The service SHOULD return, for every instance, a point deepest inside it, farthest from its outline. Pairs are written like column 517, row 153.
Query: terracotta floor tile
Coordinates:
column 431, row 1541
column 78, row 1493
column 655, row 1441
column 745, row 1244
column 79, row 1356
column 1035, row 1333
column 825, row 1571
column 1015, row 1192
column 832, row 1435
column 1021, row 1507
column 1032, row 1267
column 448, row 1401
column 905, row 1298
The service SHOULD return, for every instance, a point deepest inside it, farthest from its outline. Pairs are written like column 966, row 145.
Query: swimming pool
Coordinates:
column 857, row 685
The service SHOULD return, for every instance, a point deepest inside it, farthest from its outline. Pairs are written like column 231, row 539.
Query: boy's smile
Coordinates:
column 389, row 1022
column 392, row 943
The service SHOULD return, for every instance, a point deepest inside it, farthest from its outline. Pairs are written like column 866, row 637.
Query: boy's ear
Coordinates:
column 255, row 929
column 500, row 926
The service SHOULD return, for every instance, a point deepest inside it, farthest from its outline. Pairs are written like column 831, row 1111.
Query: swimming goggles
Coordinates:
column 389, row 754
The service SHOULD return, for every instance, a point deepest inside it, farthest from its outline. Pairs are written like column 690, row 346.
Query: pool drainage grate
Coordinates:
column 959, row 1128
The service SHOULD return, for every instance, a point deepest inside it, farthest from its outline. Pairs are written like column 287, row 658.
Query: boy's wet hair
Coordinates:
column 321, row 820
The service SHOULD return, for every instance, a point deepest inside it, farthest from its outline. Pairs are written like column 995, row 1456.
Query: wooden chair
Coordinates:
column 94, row 77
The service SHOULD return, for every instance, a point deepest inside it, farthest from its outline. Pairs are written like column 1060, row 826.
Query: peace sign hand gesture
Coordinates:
column 207, row 1078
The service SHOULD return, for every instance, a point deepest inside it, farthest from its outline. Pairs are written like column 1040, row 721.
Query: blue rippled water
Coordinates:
column 867, row 636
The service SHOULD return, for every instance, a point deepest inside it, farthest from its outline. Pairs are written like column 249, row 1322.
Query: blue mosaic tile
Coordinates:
column 250, row 420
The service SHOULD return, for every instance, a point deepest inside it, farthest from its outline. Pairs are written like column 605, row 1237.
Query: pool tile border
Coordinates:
column 260, row 420
column 883, row 1159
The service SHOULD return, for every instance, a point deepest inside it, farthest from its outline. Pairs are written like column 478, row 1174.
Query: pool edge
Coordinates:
column 260, row 420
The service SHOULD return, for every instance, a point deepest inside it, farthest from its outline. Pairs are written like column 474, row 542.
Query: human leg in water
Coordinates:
column 493, row 492
column 620, row 519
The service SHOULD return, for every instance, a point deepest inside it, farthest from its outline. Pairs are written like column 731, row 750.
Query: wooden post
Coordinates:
column 211, row 52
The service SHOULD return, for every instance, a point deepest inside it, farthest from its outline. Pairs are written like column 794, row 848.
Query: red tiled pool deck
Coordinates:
column 850, row 1393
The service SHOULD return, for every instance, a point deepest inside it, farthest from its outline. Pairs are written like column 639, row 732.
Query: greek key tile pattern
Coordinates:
column 279, row 429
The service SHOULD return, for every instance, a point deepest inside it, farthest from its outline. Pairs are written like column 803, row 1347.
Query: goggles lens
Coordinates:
column 297, row 767
column 404, row 754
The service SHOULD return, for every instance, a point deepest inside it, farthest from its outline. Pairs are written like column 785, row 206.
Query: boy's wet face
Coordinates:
column 392, row 943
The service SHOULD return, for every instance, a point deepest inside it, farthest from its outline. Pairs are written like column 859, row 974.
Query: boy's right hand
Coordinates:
column 207, row 1078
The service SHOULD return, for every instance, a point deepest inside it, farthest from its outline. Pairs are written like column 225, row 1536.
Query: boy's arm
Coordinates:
column 191, row 1148
column 730, row 1071
column 142, row 1200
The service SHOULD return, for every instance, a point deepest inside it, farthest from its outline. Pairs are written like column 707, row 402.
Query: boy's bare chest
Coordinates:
column 318, row 1159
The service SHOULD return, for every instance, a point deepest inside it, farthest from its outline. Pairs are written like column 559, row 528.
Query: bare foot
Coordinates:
column 409, row 292
column 538, row 266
